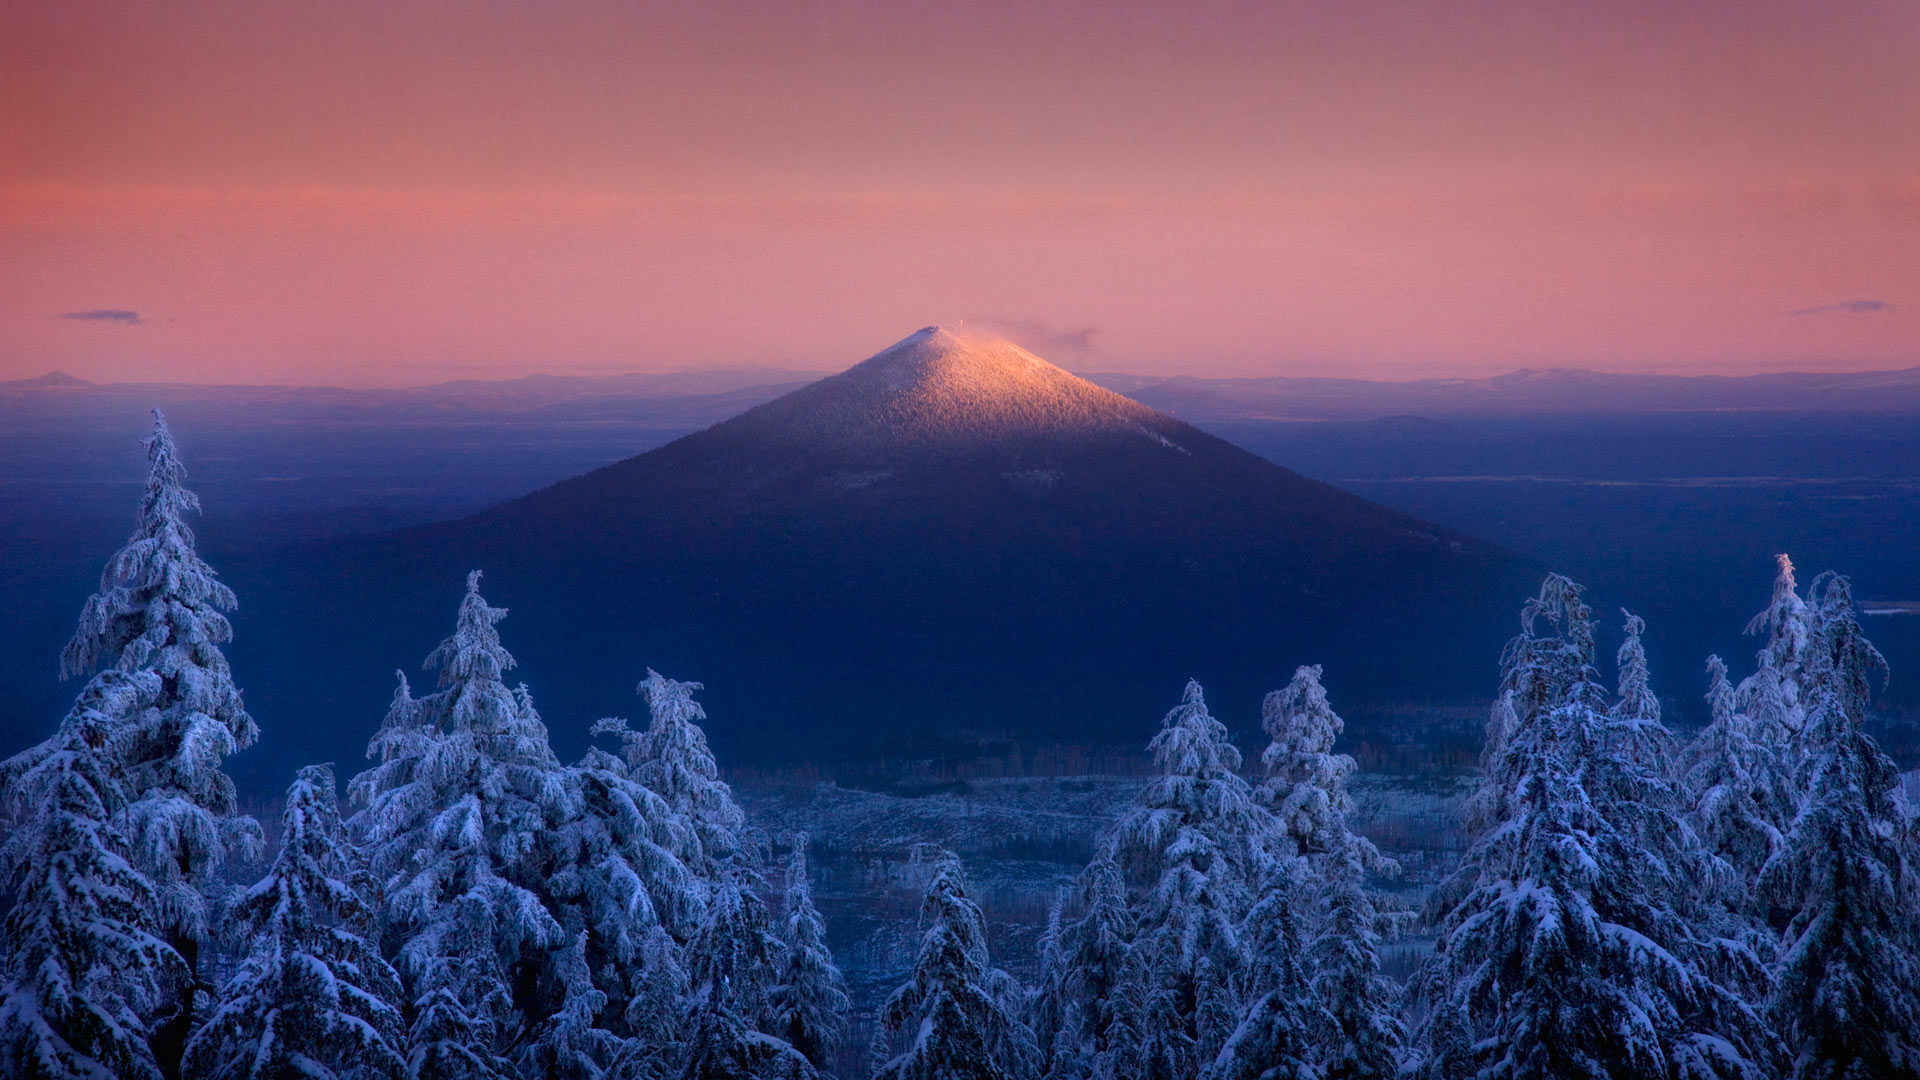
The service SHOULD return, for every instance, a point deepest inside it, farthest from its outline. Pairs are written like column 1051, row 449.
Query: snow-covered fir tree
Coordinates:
column 313, row 997
column 1637, row 702
column 737, row 955
column 1352, row 1028
column 1306, row 782
column 733, row 963
column 623, row 891
column 572, row 1044
column 460, row 817
column 1842, row 661
column 807, row 1005
column 1193, row 849
column 1848, row 1000
column 1539, row 672
column 455, row 1004
column 1366, row 1037
column 955, row 1018
column 161, row 608
column 1741, row 797
column 83, row 962
column 1571, row 950
column 1046, row 1000
column 1774, row 694
column 672, row 759
column 1100, row 995
column 1275, row 1039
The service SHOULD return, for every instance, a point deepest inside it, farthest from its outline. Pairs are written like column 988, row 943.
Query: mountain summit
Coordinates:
column 947, row 386
column 952, row 540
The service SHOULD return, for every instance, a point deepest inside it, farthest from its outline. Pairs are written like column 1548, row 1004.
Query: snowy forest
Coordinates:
column 1742, row 903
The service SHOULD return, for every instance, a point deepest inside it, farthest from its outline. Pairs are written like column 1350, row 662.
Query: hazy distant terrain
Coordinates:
column 1665, row 495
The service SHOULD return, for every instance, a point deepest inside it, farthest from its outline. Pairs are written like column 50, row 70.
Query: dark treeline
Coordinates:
column 1743, row 904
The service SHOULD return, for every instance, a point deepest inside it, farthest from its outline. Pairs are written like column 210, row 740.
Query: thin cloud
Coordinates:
column 1040, row 336
column 1846, row 307
column 106, row 315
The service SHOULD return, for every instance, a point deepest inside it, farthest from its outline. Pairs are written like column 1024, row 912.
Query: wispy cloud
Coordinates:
column 1038, row 335
column 1846, row 307
column 106, row 315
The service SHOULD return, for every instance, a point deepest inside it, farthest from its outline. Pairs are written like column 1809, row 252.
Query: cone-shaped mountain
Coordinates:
column 953, row 537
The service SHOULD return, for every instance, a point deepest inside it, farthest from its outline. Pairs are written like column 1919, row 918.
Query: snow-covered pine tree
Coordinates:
column 672, row 759
column 1740, row 797
column 1848, row 1000
column 733, row 963
column 622, row 891
column 1540, row 671
column 1193, row 848
column 312, row 998
column 1568, row 958
column 161, row 608
column 82, row 958
column 1352, row 1028
column 954, row 1018
column 456, row 1000
column 1774, row 695
column 807, row 1005
column 572, row 1044
column 737, row 955
column 1366, row 1039
column 1275, row 1039
column 1570, row 951
column 1637, row 702
column 1841, row 661
column 1102, row 986
column 460, row 817
column 1306, row 782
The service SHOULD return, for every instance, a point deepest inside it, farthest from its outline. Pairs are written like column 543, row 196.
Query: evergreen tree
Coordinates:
column 461, row 817
column 1539, row 672
column 313, row 998
column 1741, row 797
column 1365, row 1038
column 1349, row 1025
column 1849, row 985
column 1194, row 846
column 83, row 964
column 621, row 889
column 1046, row 999
column 1774, row 695
column 807, row 1006
column 1841, row 661
column 1637, row 703
column 671, row 759
column 735, row 959
column 954, row 1018
column 161, row 609
column 572, row 1044
column 1102, row 984
column 1306, row 782
column 1571, row 952
column 1275, row 1039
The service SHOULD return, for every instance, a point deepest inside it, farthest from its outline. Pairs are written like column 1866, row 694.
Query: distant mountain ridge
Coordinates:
column 1552, row 390
column 1563, row 390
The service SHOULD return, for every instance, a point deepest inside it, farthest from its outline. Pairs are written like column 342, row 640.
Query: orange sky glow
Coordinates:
column 400, row 193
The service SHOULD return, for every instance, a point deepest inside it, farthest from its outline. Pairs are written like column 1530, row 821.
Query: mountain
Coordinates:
column 52, row 380
column 1521, row 393
column 951, row 542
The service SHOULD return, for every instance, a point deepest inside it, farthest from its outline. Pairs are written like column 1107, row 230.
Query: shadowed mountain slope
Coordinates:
column 951, row 540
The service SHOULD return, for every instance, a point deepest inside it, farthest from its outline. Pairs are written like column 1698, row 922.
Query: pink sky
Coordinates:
column 399, row 193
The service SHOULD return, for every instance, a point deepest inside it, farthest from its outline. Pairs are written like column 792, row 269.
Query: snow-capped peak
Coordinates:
column 941, row 383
